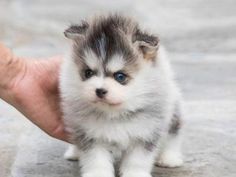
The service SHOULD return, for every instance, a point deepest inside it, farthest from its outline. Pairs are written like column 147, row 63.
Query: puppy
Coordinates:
column 119, row 100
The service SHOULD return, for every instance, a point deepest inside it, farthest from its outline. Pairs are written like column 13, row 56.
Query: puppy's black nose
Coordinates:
column 101, row 92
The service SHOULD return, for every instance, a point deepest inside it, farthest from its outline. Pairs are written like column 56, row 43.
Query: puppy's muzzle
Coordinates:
column 101, row 93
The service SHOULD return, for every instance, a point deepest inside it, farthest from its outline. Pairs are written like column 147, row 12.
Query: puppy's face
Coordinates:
column 114, row 62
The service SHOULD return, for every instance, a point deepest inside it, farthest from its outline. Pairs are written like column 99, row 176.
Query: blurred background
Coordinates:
column 201, row 39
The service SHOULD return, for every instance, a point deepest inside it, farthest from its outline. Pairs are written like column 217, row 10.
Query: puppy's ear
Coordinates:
column 76, row 31
column 147, row 44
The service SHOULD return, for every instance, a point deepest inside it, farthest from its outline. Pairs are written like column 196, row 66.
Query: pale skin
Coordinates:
column 31, row 86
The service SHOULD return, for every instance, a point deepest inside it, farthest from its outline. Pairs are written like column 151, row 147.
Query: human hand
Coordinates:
column 31, row 86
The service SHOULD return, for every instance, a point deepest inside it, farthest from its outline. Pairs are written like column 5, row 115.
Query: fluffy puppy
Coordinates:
column 119, row 100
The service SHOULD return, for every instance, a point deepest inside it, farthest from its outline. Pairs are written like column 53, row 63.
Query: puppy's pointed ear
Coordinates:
column 76, row 31
column 147, row 44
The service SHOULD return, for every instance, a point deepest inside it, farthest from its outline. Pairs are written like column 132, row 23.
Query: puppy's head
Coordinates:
column 114, row 61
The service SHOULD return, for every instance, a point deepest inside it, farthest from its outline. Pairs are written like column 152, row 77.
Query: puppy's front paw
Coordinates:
column 170, row 160
column 72, row 153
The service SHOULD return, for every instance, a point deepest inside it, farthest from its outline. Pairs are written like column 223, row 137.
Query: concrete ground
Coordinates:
column 201, row 39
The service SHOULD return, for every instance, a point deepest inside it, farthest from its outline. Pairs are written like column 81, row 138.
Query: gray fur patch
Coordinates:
column 176, row 122
column 83, row 142
column 150, row 146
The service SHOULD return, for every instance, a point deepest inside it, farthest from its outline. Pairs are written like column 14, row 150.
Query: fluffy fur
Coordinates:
column 130, row 122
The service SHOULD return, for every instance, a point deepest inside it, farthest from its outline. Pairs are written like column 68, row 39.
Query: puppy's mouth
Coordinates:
column 104, row 101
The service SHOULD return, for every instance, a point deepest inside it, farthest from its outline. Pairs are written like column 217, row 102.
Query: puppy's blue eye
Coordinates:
column 120, row 77
column 88, row 73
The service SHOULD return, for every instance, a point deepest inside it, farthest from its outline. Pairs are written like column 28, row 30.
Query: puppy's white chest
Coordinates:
column 121, row 132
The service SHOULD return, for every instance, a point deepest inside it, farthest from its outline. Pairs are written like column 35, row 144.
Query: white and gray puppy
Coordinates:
column 119, row 100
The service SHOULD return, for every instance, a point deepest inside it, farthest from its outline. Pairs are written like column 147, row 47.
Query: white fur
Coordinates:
column 136, row 162
column 72, row 153
column 97, row 162
column 116, row 63
column 171, row 155
column 102, row 46
column 91, row 60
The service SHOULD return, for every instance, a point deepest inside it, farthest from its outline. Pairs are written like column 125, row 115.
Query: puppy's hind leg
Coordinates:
column 170, row 154
column 72, row 153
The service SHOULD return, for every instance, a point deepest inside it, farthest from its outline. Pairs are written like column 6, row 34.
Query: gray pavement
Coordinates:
column 201, row 39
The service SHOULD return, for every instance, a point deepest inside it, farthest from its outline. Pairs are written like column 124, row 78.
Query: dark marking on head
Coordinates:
column 83, row 74
column 109, row 36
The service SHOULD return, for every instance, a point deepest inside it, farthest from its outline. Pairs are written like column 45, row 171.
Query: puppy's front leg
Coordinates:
column 96, row 162
column 138, row 162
